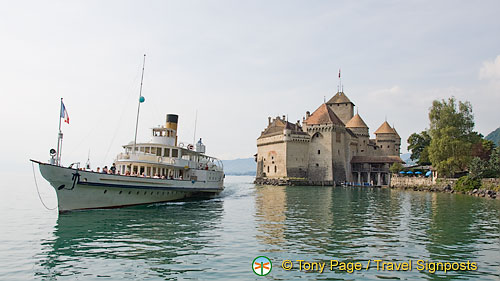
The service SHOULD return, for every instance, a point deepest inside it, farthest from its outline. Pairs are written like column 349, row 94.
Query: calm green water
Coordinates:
column 218, row 238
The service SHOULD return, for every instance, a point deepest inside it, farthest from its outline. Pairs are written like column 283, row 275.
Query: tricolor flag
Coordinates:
column 64, row 113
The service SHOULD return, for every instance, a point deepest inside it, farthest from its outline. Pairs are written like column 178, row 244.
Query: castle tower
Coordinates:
column 282, row 150
column 386, row 139
column 327, row 147
column 360, row 129
column 342, row 106
column 397, row 142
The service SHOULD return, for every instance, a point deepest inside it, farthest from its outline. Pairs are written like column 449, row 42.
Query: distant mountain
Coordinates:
column 494, row 136
column 406, row 157
column 240, row 167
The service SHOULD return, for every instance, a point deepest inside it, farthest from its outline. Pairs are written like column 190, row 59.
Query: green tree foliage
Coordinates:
column 477, row 168
column 467, row 183
column 482, row 149
column 396, row 167
column 494, row 162
column 480, row 168
column 452, row 135
column 418, row 144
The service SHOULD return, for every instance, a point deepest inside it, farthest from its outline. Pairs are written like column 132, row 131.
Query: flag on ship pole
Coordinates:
column 64, row 112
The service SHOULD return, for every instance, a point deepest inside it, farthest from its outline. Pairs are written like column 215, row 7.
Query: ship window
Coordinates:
column 129, row 192
column 141, row 170
column 153, row 150
column 105, row 191
column 147, row 149
column 148, row 173
column 175, row 153
column 166, row 152
column 141, row 148
column 120, row 192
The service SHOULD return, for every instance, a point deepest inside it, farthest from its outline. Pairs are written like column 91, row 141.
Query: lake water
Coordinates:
column 218, row 239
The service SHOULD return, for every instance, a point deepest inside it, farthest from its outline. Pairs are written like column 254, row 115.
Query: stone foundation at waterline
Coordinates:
column 489, row 187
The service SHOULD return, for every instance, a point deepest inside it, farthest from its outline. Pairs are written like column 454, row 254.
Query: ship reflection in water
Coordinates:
column 143, row 241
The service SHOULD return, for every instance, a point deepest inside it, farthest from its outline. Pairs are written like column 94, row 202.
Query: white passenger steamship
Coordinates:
column 156, row 171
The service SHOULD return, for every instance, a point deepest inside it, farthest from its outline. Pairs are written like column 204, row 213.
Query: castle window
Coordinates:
column 275, row 169
column 339, row 151
column 317, row 165
column 319, row 151
column 268, row 169
column 387, row 146
column 362, row 150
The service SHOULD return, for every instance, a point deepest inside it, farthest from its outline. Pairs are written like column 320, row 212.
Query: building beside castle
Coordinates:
column 331, row 146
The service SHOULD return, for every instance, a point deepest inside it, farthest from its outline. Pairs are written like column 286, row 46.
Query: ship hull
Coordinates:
column 81, row 190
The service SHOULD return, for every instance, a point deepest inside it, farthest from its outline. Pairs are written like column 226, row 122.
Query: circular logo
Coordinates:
column 262, row 265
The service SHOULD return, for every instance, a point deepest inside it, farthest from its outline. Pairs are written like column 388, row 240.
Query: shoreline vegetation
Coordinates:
column 488, row 187
column 454, row 152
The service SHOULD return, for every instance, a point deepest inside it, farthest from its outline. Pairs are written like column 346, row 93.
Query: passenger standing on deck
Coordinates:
column 98, row 170
column 105, row 170
column 113, row 169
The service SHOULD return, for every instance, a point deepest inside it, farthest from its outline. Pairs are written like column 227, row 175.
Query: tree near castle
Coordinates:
column 452, row 135
column 419, row 146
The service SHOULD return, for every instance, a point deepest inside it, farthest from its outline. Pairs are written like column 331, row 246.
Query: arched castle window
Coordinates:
column 317, row 135
column 275, row 169
column 268, row 169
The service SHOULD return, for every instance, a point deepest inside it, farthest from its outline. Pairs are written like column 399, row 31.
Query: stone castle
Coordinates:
column 332, row 146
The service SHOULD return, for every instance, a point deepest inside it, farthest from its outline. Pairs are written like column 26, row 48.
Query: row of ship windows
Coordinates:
column 145, row 192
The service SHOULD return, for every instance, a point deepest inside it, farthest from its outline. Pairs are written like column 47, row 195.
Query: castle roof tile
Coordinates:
column 376, row 159
column 323, row 115
column 385, row 128
column 356, row 122
column 339, row 97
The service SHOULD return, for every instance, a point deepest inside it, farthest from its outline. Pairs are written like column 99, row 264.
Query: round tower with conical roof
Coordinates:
column 387, row 139
column 360, row 129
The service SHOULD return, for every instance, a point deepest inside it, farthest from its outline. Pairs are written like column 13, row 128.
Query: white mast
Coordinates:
column 195, row 121
column 59, row 138
column 141, row 99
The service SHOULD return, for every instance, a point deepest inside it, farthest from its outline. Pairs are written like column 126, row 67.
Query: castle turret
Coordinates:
column 358, row 126
column 342, row 106
column 360, row 129
column 386, row 139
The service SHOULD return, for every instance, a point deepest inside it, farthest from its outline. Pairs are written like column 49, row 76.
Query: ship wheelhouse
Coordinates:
column 161, row 157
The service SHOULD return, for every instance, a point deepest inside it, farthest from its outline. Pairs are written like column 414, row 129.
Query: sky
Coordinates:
column 234, row 63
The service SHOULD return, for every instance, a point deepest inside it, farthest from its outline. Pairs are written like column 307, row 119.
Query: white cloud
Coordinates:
column 490, row 69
